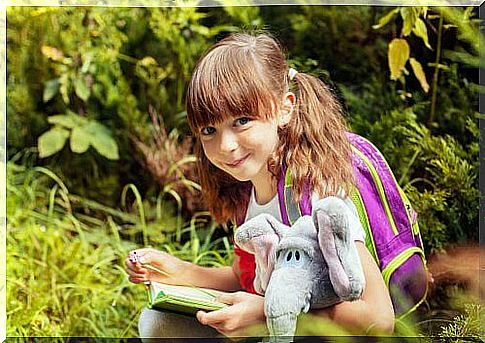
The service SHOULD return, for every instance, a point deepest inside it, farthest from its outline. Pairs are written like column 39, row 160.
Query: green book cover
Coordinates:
column 182, row 299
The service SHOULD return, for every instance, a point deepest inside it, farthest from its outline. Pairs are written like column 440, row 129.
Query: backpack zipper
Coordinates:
column 380, row 189
column 404, row 198
column 359, row 204
column 414, row 222
column 399, row 260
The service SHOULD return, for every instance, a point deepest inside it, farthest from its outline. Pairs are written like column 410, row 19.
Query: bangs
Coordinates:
column 228, row 84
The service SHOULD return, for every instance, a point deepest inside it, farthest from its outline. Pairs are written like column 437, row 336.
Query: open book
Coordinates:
column 182, row 299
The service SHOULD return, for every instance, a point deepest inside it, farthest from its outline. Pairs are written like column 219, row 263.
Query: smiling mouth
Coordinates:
column 238, row 162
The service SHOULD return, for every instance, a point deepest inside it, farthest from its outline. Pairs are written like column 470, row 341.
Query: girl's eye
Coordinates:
column 242, row 121
column 206, row 131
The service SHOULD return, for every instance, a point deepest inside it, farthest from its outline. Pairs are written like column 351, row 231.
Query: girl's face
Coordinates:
column 241, row 147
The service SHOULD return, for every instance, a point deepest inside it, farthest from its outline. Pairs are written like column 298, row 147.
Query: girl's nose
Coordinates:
column 228, row 141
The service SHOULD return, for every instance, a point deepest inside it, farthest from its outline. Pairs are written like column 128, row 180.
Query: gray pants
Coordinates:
column 157, row 324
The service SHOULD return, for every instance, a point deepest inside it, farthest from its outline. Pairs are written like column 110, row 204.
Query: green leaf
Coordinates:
column 52, row 141
column 419, row 73
column 409, row 17
column 88, row 58
column 81, row 89
column 421, row 31
column 101, row 140
column 51, row 87
column 398, row 54
column 385, row 19
column 64, row 87
column 79, row 140
column 69, row 120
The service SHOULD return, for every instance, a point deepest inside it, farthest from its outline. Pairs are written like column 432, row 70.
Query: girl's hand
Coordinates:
column 246, row 312
column 173, row 271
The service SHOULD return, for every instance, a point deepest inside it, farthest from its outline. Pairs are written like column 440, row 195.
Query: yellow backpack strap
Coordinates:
column 292, row 209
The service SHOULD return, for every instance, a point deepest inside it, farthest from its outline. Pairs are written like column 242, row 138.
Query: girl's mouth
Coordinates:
column 238, row 162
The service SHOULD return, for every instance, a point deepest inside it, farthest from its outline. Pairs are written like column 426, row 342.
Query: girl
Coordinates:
column 251, row 116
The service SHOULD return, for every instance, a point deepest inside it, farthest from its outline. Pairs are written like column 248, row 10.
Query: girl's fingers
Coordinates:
column 139, row 272
column 219, row 320
column 228, row 298
column 214, row 317
column 206, row 319
column 134, row 269
column 129, row 264
column 137, row 279
column 138, row 276
column 200, row 315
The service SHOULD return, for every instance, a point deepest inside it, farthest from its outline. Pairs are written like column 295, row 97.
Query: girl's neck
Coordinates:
column 264, row 190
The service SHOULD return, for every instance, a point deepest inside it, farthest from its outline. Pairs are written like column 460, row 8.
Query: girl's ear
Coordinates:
column 287, row 109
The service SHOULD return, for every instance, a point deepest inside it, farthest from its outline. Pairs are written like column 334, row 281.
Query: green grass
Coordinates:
column 65, row 273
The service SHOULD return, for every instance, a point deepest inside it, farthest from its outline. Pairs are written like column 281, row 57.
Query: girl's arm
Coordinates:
column 221, row 278
column 373, row 313
column 172, row 270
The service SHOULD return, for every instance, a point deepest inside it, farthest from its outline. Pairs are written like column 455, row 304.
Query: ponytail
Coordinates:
column 314, row 145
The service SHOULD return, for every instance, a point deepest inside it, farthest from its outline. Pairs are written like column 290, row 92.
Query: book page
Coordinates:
column 194, row 293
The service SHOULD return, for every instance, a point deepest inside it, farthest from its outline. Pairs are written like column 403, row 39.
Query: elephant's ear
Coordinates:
column 331, row 217
column 260, row 236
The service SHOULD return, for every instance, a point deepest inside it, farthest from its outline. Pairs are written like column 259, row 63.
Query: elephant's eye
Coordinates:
column 297, row 255
column 288, row 257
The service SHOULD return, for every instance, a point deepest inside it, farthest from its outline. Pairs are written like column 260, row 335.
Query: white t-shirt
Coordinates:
column 273, row 208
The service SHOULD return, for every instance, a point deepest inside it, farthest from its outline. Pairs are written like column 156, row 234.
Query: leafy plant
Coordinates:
column 169, row 160
column 415, row 20
column 469, row 324
column 399, row 50
column 82, row 134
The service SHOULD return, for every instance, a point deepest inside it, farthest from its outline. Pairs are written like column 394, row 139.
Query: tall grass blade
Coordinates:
column 141, row 209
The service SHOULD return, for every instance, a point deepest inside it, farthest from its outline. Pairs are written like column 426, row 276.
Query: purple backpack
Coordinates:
column 392, row 231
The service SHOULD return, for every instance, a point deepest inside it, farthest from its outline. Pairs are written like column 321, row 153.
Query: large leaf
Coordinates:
column 51, row 87
column 79, row 140
column 409, row 16
column 101, row 140
column 69, row 120
column 421, row 31
column 419, row 73
column 52, row 141
column 81, row 89
column 398, row 54
column 385, row 19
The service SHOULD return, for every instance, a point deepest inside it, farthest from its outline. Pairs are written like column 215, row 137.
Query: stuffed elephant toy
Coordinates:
column 313, row 264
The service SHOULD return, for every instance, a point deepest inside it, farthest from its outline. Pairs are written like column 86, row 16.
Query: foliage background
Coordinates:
column 99, row 153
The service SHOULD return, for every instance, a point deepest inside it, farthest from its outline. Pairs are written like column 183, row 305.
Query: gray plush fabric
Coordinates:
column 313, row 264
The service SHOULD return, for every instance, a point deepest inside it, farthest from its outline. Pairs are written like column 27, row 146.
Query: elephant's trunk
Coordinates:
column 282, row 328
column 288, row 294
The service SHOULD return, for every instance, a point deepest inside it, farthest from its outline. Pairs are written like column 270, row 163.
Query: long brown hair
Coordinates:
column 247, row 75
